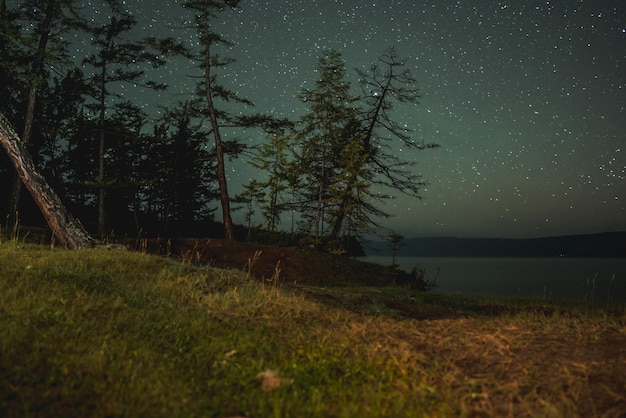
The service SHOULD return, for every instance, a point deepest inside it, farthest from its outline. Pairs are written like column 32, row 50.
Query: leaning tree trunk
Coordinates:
column 67, row 230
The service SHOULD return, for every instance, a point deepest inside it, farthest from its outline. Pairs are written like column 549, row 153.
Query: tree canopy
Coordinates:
column 121, row 170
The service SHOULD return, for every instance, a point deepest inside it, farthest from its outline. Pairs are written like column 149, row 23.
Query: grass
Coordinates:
column 105, row 333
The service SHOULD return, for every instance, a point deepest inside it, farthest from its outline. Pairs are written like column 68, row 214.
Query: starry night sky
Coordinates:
column 526, row 98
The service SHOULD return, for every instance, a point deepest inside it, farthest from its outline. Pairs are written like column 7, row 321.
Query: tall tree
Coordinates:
column 208, row 61
column 331, row 107
column 352, row 197
column 127, row 150
column 388, row 83
column 209, row 90
column 58, row 122
column 116, row 61
column 346, row 149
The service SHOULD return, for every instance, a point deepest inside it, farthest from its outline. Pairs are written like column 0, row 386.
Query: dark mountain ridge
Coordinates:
column 607, row 244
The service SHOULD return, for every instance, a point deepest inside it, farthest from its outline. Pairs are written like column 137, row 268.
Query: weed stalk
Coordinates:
column 252, row 261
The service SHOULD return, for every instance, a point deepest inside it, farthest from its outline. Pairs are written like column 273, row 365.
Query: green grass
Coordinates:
column 104, row 333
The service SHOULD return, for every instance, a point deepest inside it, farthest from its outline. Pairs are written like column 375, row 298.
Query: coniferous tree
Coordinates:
column 184, row 180
column 59, row 121
column 395, row 241
column 211, row 93
column 117, row 61
column 32, row 51
column 251, row 195
column 352, row 210
column 388, row 83
column 331, row 107
column 208, row 89
column 9, row 91
column 128, row 150
column 346, row 150
column 272, row 157
column 80, row 165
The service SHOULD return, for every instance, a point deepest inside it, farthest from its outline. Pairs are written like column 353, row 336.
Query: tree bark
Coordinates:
column 67, row 230
column 219, row 152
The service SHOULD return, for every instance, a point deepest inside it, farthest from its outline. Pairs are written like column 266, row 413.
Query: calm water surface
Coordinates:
column 592, row 279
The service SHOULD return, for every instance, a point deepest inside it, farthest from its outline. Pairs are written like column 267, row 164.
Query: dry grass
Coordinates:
column 108, row 333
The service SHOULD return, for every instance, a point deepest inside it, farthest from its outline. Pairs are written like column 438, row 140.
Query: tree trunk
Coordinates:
column 219, row 152
column 67, row 230
column 101, row 192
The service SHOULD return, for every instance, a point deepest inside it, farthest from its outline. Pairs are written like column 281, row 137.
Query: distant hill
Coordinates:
column 609, row 244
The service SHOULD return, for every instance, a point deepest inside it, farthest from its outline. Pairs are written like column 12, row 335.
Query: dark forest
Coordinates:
column 122, row 171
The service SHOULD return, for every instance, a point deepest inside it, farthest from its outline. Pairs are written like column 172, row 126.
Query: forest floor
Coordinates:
column 242, row 330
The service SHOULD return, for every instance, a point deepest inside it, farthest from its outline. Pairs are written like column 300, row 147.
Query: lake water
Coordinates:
column 562, row 278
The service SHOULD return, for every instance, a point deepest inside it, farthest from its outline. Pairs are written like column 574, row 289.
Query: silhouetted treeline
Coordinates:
column 122, row 171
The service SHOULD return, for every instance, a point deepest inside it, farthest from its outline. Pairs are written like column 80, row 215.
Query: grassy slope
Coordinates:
column 118, row 333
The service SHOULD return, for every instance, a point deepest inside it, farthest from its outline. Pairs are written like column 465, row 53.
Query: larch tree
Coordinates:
column 352, row 210
column 211, row 93
column 251, row 195
column 184, row 180
column 117, row 60
column 389, row 82
column 272, row 157
column 331, row 107
column 208, row 61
